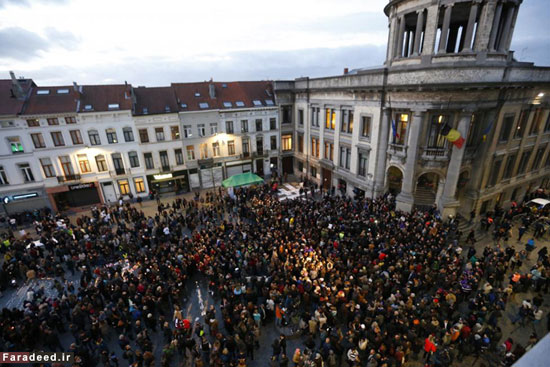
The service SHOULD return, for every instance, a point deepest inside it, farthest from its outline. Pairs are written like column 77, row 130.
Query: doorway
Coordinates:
column 327, row 178
column 260, row 167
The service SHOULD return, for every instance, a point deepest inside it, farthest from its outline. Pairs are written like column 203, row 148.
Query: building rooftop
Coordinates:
column 223, row 95
column 51, row 100
column 102, row 98
column 150, row 101
column 9, row 103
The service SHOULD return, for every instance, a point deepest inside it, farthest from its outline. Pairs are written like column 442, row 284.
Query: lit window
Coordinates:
column 139, row 184
column 197, row 94
column 145, row 110
column 88, row 107
column 269, row 102
column 175, row 131
column 257, row 102
column 227, row 104
column 84, row 163
column 43, row 91
column 183, row 105
column 62, row 91
column 203, row 105
column 124, row 187
column 286, row 142
column 239, row 104
column 113, row 106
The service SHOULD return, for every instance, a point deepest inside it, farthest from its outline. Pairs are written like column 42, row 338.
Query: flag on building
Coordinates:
column 394, row 129
column 487, row 130
column 453, row 136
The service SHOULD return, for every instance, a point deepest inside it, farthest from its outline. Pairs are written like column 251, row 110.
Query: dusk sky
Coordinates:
column 155, row 43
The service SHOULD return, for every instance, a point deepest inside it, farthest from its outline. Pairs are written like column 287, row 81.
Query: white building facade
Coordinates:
column 72, row 146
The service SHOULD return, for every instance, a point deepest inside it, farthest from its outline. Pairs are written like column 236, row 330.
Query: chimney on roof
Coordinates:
column 212, row 90
column 16, row 89
column 346, row 71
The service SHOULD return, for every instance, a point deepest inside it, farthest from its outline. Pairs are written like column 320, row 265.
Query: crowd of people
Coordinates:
column 355, row 281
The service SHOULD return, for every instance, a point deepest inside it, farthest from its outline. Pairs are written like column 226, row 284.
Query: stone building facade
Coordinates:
column 448, row 63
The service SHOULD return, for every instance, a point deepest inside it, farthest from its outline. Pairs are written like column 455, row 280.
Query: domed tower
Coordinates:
column 427, row 32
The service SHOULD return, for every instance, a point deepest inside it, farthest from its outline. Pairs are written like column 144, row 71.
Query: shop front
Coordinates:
column 236, row 168
column 176, row 181
column 21, row 201
column 74, row 196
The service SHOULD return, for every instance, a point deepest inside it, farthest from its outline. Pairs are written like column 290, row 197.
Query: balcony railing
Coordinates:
column 245, row 155
column 165, row 169
column 435, row 152
column 68, row 178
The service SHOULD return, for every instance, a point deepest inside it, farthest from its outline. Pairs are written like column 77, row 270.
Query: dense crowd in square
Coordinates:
column 356, row 281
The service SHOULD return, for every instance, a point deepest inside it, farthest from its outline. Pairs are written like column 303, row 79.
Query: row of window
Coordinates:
column 124, row 186
column 51, row 121
column 76, row 137
column 345, row 154
column 28, row 176
column 521, row 127
column 346, row 121
column 25, row 171
column 244, row 126
column 69, row 172
column 112, row 138
column 510, row 164
column 345, row 160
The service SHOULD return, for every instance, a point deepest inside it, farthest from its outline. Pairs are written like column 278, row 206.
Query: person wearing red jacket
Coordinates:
column 429, row 347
